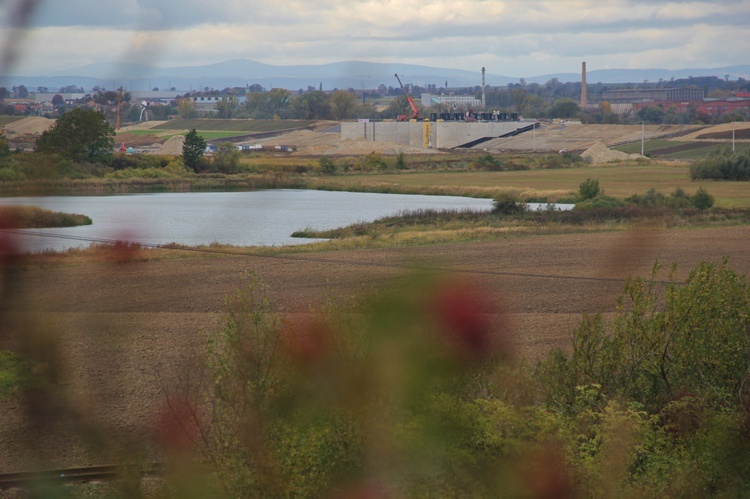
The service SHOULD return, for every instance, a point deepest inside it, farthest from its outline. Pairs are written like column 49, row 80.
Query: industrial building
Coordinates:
column 451, row 101
column 632, row 95
column 433, row 135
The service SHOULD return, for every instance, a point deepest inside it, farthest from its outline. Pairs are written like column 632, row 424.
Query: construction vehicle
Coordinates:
column 415, row 114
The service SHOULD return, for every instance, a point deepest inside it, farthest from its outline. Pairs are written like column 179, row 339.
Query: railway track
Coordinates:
column 105, row 473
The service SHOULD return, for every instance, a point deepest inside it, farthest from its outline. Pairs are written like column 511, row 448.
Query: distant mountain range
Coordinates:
column 342, row 75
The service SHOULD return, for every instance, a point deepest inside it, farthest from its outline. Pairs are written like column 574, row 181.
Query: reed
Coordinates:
column 32, row 217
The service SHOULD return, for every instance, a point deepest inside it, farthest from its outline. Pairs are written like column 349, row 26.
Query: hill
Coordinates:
column 343, row 75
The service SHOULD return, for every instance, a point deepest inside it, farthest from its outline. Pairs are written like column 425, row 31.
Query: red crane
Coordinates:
column 415, row 114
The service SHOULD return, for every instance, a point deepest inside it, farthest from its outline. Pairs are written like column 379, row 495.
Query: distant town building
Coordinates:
column 631, row 95
column 711, row 107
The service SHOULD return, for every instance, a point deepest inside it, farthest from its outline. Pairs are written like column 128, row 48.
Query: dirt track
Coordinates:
column 125, row 329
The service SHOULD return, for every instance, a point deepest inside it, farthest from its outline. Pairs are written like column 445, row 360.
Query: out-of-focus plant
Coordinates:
column 395, row 399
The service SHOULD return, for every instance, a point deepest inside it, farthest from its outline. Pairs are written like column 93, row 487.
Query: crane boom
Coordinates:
column 415, row 114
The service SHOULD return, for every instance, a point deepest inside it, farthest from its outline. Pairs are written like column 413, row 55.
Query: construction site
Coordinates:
column 332, row 138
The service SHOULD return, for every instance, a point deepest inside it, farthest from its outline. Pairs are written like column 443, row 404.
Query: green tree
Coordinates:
column 314, row 105
column 192, row 150
column 268, row 105
column 702, row 199
column 564, row 108
column 226, row 158
column 343, row 104
column 79, row 135
column 397, row 107
column 186, row 108
column 651, row 114
column 227, row 107
column 589, row 189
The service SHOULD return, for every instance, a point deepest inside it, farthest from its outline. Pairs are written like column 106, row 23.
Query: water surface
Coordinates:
column 255, row 218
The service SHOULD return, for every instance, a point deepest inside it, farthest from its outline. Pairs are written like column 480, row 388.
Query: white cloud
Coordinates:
column 514, row 37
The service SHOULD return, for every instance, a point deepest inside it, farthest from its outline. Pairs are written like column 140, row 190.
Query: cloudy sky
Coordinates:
column 509, row 37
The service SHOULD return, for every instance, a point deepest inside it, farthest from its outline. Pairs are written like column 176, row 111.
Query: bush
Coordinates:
column 677, row 200
column 695, row 342
column 507, row 204
column 702, row 199
column 600, row 201
column 589, row 189
column 226, row 158
column 344, row 402
column 373, row 161
column 9, row 174
column 121, row 161
column 489, row 162
column 564, row 160
column 401, row 163
column 327, row 165
column 722, row 164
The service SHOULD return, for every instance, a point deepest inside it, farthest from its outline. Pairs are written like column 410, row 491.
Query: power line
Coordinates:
column 312, row 259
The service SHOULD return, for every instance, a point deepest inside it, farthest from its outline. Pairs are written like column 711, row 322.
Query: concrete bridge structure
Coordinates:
column 433, row 135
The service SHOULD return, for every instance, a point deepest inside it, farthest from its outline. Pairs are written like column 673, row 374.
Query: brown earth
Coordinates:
column 124, row 330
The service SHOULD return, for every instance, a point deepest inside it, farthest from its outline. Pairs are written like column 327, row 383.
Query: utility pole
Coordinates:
column 643, row 136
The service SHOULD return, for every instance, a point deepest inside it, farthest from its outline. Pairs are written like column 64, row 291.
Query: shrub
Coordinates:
column 652, row 199
column 489, row 162
column 695, row 342
column 702, row 199
column 589, row 189
column 679, row 199
column 600, row 201
column 373, row 161
column 723, row 164
column 226, row 158
column 401, row 163
column 10, row 174
column 507, row 204
column 327, row 165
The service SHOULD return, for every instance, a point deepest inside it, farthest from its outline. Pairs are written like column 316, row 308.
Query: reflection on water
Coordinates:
column 265, row 218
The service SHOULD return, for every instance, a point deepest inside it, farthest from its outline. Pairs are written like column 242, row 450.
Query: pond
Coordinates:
column 255, row 218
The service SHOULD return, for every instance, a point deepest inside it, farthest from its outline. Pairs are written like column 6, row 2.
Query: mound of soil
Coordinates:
column 172, row 147
column 599, row 153
column 33, row 125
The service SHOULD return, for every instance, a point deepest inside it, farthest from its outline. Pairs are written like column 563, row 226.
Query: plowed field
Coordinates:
column 124, row 330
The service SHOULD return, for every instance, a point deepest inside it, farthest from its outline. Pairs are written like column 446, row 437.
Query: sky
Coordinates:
column 521, row 38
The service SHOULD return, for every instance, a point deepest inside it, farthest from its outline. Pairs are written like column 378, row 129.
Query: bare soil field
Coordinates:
column 125, row 330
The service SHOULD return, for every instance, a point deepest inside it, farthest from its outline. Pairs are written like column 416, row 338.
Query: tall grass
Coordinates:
column 32, row 217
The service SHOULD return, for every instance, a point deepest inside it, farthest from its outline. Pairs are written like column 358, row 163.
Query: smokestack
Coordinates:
column 583, row 86
column 483, row 87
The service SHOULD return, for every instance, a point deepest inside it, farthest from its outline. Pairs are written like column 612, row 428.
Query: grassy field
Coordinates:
column 619, row 181
column 677, row 149
column 6, row 120
column 206, row 134
column 241, row 126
